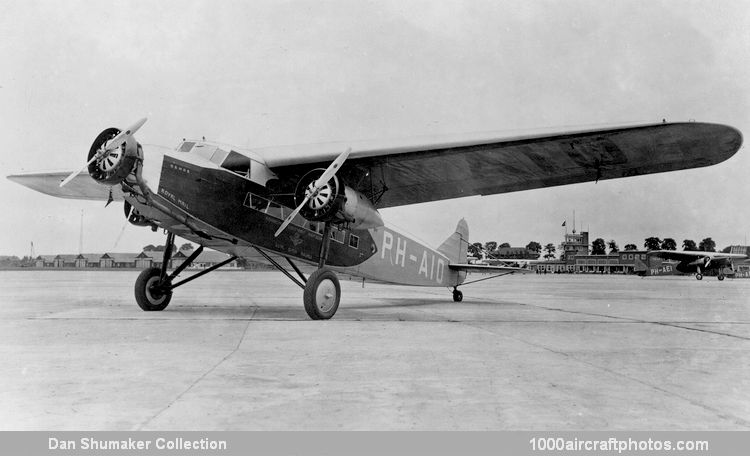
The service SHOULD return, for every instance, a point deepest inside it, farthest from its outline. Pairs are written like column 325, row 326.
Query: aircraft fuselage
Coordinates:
column 229, row 212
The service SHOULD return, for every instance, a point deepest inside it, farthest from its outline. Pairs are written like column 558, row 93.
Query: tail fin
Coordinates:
column 457, row 245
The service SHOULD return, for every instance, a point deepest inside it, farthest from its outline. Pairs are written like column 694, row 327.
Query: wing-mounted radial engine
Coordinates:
column 323, row 197
column 335, row 202
column 135, row 217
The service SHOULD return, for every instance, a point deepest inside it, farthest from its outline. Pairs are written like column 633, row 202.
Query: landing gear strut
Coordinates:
column 153, row 287
column 322, row 290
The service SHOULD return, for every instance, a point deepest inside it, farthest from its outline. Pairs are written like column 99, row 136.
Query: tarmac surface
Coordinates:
column 236, row 351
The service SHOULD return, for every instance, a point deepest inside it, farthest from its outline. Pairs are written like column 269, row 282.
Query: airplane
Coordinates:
column 318, row 206
column 673, row 262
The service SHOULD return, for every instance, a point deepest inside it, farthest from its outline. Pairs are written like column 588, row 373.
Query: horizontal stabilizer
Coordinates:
column 487, row 269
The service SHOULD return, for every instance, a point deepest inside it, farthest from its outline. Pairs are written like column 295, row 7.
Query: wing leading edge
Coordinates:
column 397, row 175
column 80, row 187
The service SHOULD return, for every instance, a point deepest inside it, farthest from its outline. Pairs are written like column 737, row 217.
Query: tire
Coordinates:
column 458, row 296
column 721, row 277
column 147, row 298
column 699, row 276
column 322, row 294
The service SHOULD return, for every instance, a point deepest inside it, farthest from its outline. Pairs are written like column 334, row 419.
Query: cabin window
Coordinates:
column 186, row 146
column 353, row 241
column 338, row 235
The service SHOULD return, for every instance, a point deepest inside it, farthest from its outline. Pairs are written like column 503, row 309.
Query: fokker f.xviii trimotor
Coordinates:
column 318, row 205
column 674, row 262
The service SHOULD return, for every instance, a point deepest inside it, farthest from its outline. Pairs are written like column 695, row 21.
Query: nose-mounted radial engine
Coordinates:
column 113, row 155
column 111, row 165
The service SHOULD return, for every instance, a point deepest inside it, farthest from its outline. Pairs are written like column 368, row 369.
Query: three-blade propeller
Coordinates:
column 317, row 186
column 104, row 152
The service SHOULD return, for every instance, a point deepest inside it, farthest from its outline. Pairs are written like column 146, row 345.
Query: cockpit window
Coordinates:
column 237, row 163
column 186, row 146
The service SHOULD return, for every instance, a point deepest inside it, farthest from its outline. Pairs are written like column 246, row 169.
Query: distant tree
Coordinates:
column 534, row 246
column 652, row 243
column 490, row 246
column 668, row 244
column 598, row 247
column 550, row 249
column 631, row 247
column 707, row 245
column 689, row 245
column 613, row 248
column 186, row 246
column 476, row 249
column 149, row 248
column 504, row 245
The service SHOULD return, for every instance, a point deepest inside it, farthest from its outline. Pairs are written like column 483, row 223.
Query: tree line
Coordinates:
column 599, row 246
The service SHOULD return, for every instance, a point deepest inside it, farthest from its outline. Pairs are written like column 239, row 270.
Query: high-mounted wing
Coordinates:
column 81, row 186
column 688, row 256
column 396, row 173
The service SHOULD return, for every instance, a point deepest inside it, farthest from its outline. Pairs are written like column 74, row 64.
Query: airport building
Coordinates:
column 142, row 260
column 575, row 258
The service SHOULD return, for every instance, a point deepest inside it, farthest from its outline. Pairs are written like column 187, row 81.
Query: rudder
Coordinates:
column 456, row 247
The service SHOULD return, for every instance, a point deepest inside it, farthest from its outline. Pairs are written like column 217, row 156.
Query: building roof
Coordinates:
column 67, row 257
column 123, row 257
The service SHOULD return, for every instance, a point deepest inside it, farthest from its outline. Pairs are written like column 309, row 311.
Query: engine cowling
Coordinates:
column 336, row 202
column 135, row 217
column 116, row 165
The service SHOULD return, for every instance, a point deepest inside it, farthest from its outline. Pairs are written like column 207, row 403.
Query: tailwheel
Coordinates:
column 699, row 276
column 322, row 294
column 149, row 293
column 458, row 296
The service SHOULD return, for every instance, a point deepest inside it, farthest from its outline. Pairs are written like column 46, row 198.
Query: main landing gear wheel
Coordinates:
column 721, row 277
column 458, row 296
column 147, row 293
column 699, row 276
column 322, row 294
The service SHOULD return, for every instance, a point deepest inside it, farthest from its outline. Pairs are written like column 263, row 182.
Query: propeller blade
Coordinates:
column 332, row 169
column 75, row 173
column 123, row 135
column 294, row 213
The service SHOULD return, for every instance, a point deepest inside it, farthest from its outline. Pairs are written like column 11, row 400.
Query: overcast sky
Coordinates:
column 268, row 73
